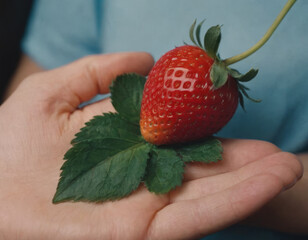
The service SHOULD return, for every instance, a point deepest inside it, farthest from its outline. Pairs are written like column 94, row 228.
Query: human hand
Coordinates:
column 37, row 124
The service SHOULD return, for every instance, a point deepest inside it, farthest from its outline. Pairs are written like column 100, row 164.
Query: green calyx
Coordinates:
column 220, row 71
column 211, row 39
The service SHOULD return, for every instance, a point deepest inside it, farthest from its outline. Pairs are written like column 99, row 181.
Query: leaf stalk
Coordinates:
column 265, row 38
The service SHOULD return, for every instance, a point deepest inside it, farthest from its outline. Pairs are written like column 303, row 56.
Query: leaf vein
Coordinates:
column 98, row 164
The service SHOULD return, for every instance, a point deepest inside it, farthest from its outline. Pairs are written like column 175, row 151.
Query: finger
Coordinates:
column 236, row 154
column 67, row 87
column 96, row 73
column 284, row 166
column 199, row 217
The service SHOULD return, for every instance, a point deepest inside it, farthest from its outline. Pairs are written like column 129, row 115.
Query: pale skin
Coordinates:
column 37, row 123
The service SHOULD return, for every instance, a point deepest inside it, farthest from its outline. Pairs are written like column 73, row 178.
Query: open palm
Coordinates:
column 37, row 124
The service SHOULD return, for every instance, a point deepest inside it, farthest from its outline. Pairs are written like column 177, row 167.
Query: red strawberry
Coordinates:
column 189, row 93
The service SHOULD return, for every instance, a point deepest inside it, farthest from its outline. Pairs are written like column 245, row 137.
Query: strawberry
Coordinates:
column 190, row 93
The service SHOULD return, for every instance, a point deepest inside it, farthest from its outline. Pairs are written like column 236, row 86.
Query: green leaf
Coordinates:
column 242, row 87
column 192, row 31
column 244, row 90
column 234, row 73
column 243, row 77
column 198, row 29
column 165, row 170
column 241, row 99
column 107, row 161
column 126, row 95
column 106, row 126
column 218, row 74
column 212, row 40
column 248, row 76
column 208, row 150
column 102, row 170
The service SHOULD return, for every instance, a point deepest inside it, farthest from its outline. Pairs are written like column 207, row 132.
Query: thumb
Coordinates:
column 69, row 86
column 82, row 80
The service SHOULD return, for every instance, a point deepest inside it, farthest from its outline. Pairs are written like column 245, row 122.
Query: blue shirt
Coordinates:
column 61, row 31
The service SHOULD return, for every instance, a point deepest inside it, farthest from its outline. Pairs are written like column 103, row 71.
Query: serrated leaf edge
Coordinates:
column 54, row 200
column 127, row 117
column 219, row 151
column 175, row 186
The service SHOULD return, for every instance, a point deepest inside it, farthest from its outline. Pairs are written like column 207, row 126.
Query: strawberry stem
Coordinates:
column 264, row 39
